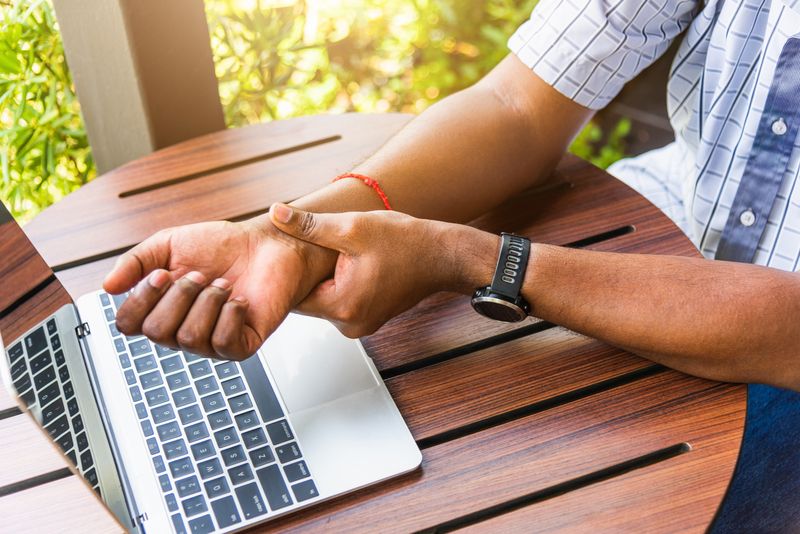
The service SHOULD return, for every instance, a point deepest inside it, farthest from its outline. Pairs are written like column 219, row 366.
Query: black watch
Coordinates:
column 502, row 301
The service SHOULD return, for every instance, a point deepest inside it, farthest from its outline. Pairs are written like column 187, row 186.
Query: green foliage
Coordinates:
column 275, row 59
column 44, row 153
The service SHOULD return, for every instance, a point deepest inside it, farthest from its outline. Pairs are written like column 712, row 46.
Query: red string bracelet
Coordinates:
column 370, row 182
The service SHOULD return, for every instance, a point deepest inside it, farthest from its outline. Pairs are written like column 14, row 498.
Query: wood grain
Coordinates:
column 22, row 269
column 26, row 453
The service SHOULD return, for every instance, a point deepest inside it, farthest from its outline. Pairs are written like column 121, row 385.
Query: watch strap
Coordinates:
column 511, row 264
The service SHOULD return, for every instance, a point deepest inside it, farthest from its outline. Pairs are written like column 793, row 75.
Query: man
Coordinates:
column 728, row 181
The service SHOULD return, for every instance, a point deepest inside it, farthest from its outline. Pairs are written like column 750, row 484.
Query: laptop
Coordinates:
column 174, row 442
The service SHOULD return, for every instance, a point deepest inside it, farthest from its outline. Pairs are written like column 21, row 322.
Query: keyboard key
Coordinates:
column 119, row 344
column 72, row 406
column 65, row 442
column 158, row 463
column 18, row 369
column 187, row 486
column 63, row 373
column 44, row 377
column 164, row 351
column 91, row 477
column 162, row 414
column 279, row 432
column 191, row 357
column 190, row 414
column 168, row 431
column 77, row 424
column 55, row 342
column 72, row 458
column 254, row 438
column 109, row 313
column 141, row 411
column 201, row 525
column 184, row 397
column 226, row 370
column 262, row 456
column 152, row 445
column 240, row 473
column 274, row 488
column 195, row 505
column 139, row 347
column 86, row 460
column 172, row 502
column 145, row 363
column 226, row 437
column 51, row 326
column 58, row 356
column 251, row 501
column 177, row 524
column 220, row 419
column 112, row 327
column 166, row 485
column 212, row 403
column 196, row 432
column 16, row 352
column 39, row 362
column 181, row 468
column 147, row 428
column 296, row 471
column 247, row 420
column 305, row 490
column 58, row 427
column 209, row 469
column 23, row 382
column 263, row 394
column 240, row 403
column 36, row 341
column 156, row 396
column 82, row 441
column 130, row 378
column 48, row 394
column 234, row 455
column 178, row 381
column 172, row 364
column 288, row 452
column 233, row 387
column 136, row 394
column 175, row 449
column 203, row 450
column 201, row 368
column 225, row 512
column 207, row 385
column 151, row 380
column 119, row 299
column 217, row 487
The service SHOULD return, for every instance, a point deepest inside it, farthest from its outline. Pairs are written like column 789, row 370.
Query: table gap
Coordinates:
column 32, row 482
column 588, row 479
column 540, row 406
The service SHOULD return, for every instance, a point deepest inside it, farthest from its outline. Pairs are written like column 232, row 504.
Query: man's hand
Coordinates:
column 387, row 263
column 217, row 289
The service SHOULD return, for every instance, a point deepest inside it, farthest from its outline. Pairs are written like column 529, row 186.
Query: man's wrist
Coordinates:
column 473, row 257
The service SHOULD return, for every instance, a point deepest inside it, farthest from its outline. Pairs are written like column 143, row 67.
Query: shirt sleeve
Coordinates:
column 588, row 49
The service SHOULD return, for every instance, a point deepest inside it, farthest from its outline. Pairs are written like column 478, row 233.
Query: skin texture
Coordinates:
column 220, row 289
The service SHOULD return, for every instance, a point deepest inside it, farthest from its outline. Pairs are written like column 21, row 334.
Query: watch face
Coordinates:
column 499, row 310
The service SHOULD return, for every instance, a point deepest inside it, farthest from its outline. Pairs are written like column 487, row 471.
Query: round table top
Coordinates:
column 519, row 424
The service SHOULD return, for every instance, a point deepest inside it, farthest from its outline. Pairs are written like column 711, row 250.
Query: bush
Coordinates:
column 275, row 59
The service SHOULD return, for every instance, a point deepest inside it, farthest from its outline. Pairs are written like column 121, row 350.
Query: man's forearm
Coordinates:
column 467, row 153
column 720, row 320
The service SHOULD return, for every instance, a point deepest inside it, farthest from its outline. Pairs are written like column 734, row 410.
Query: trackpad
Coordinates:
column 312, row 363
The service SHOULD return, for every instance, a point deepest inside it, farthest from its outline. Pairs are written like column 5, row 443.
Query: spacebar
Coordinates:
column 264, row 396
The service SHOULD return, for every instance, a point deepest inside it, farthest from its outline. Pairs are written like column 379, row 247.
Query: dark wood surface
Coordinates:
column 520, row 425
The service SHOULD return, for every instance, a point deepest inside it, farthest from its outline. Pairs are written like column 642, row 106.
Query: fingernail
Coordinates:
column 221, row 283
column 196, row 277
column 158, row 279
column 281, row 212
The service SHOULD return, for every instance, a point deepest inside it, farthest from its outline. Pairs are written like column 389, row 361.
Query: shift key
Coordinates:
column 265, row 398
column 251, row 501
column 274, row 488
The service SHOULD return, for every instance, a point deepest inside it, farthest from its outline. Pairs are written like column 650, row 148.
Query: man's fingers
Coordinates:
column 195, row 333
column 233, row 339
column 329, row 230
column 131, row 267
column 321, row 302
column 161, row 324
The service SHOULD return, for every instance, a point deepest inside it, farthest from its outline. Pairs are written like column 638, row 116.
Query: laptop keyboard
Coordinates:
column 219, row 441
column 40, row 376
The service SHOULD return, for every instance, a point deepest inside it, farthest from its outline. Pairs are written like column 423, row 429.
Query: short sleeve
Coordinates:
column 589, row 49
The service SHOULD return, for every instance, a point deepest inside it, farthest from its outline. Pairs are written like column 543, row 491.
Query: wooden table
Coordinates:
column 522, row 427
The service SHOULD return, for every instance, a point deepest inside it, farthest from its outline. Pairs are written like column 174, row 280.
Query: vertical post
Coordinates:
column 143, row 71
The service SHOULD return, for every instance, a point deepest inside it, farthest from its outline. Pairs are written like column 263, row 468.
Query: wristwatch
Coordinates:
column 502, row 301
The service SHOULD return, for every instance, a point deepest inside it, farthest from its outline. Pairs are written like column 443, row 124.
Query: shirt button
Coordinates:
column 779, row 127
column 747, row 218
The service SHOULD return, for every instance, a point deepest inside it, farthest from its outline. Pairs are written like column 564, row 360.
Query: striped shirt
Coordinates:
column 729, row 179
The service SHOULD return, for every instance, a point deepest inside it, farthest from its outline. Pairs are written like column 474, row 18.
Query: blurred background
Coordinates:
column 274, row 59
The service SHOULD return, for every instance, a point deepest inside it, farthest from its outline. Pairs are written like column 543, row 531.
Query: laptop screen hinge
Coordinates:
column 82, row 330
column 140, row 519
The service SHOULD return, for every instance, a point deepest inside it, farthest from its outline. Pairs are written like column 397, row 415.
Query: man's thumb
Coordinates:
column 317, row 228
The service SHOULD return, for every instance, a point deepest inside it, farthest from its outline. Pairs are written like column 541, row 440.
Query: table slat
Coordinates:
column 26, row 452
